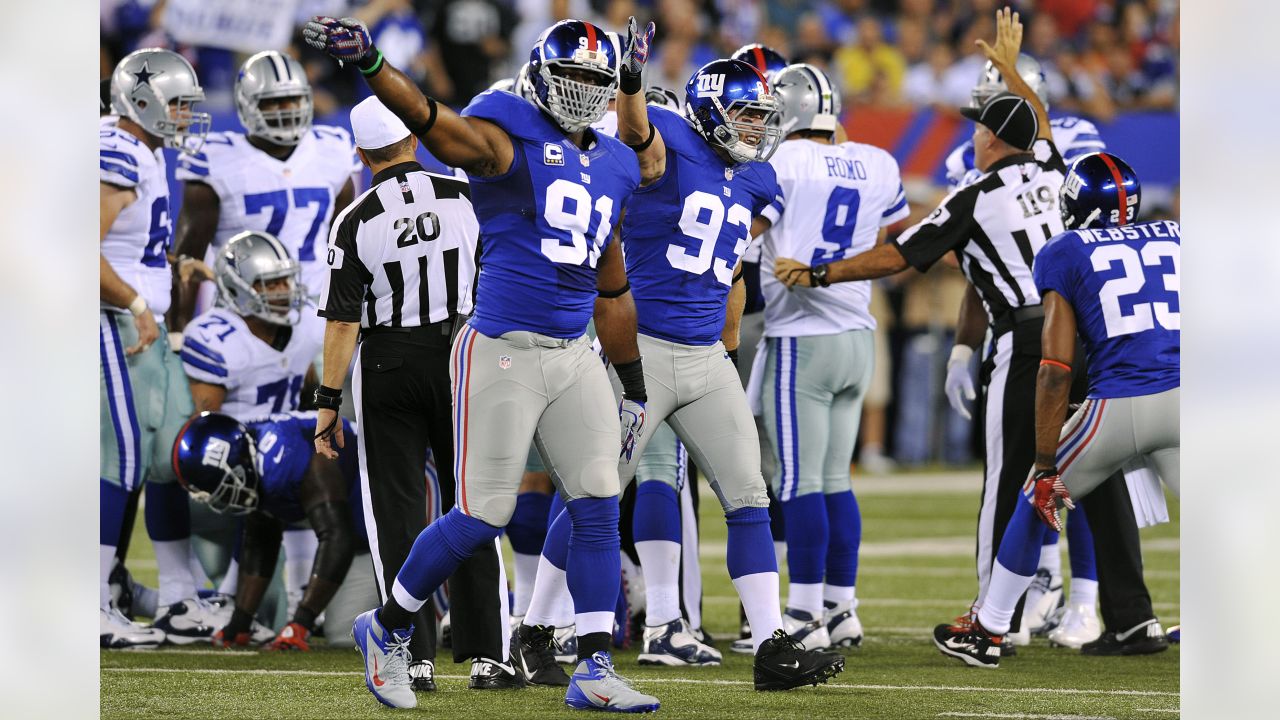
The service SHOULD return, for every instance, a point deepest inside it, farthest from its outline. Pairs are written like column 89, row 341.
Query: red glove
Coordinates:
column 233, row 639
column 292, row 637
column 1047, row 494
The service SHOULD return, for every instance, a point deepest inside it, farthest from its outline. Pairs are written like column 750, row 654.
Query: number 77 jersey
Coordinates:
column 1123, row 284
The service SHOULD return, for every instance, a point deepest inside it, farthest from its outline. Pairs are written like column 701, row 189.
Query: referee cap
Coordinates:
column 1009, row 116
column 374, row 126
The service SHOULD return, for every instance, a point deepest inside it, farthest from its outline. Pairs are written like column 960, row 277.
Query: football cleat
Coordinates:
column 807, row 630
column 422, row 674
column 566, row 644
column 190, row 621
column 1043, row 597
column 117, row 632
column 446, row 632
column 596, row 686
column 783, row 663
column 674, row 644
column 972, row 645
column 1174, row 635
column 1144, row 638
column 1079, row 625
column 843, row 626
column 743, row 645
column 489, row 674
column 533, row 654
column 121, row 584
column 386, row 660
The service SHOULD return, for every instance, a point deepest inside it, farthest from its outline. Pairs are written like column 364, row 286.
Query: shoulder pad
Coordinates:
column 517, row 116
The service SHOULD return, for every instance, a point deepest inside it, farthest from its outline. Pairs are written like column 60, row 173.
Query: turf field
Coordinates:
column 915, row 572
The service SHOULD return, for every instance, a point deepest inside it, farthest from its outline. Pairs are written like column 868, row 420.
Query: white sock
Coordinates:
column 299, row 551
column 145, row 600
column 404, row 599
column 1051, row 559
column 759, row 595
column 526, row 571
column 173, row 561
column 806, row 597
column 106, row 561
column 550, row 595
column 197, row 571
column 230, row 581
column 594, row 622
column 1003, row 592
column 843, row 597
column 1084, row 592
column 660, row 560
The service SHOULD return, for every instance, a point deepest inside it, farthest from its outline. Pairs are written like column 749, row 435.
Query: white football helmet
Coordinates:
column 272, row 75
column 158, row 90
column 252, row 259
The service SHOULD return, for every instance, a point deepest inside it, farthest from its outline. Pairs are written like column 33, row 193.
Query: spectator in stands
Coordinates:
column 960, row 77
column 469, row 43
column 871, row 71
column 925, row 81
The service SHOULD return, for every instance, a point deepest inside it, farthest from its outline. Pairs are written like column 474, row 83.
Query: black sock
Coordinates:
column 394, row 617
column 592, row 643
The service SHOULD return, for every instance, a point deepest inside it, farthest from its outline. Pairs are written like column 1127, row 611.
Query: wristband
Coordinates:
column 1055, row 363
column 630, row 83
column 421, row 130
column 960, row 354
column 327, row 398
column 738, row 277
column 609, row 294
column 632, row 376
column 371, row 64
column 819, row 275
column 1042, row 474
column 733, row 356
column 653, row 132
column 138, row 306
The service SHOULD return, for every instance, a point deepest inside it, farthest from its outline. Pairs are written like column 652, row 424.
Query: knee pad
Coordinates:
column 595, row 522
column 462, row 534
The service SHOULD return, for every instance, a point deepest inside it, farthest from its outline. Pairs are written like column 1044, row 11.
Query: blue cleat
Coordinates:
column 596, row 686
column 386, row 660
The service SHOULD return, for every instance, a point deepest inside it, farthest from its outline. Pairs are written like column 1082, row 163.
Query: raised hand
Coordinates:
column 345, row 40
column 1008, row 39
column 635, row 52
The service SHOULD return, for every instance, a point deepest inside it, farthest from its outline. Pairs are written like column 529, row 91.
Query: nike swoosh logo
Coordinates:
column 1131, row 631
column 377, row 681
column 279, row 455
column 954, row 644
column 603, row 698
column 794, row 664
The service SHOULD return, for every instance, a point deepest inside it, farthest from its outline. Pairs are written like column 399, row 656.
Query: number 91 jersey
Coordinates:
column 291, row 198
column 1123, row 284
column 685, row 233
column 544, row 222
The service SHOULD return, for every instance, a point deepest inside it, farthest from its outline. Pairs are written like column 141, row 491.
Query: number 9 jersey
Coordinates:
column 544, row 222
column 1123, row 284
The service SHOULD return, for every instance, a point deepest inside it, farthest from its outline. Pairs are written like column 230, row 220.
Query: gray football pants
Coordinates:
column 1104, row 434
column 525, row 387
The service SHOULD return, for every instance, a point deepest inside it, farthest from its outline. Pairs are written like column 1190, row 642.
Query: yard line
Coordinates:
column 209, row 652
column 681, row 681
column 1025, row 715
column 1159, row 710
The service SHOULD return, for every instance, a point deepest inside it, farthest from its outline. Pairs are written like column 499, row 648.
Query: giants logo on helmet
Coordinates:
column 710, row 85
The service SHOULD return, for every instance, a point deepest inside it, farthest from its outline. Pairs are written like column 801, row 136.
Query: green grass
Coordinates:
column 916, row 572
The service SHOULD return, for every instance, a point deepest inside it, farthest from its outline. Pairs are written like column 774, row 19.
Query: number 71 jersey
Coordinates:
column 1123, row 284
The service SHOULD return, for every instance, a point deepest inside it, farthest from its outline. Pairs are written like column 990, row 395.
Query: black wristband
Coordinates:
column 819, row 275
column 1041, row 474
column 305, row 617
column 422, row 129
column 738, row 277
column 327, row 398
column 653, row 132
column 240, row 621
column 630, row 83
column 371, row 64
column 608, row 294
column 733, row 356
column 632, row 376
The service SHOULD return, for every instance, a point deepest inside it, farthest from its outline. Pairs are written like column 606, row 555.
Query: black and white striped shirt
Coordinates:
column 403, row 254
column 996, row 226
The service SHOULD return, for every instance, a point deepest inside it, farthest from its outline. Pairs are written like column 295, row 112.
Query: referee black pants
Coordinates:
column 404, row 405
column 1008, row 379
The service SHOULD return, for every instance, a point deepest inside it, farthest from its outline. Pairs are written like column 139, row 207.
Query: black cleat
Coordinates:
column 973, row 644
column 423, row 673
column 1145, row 638
column 533, row 656
column 489, row 674
column 782, row 664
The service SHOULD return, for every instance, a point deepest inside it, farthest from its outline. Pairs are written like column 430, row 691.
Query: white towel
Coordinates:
column 1146, row 493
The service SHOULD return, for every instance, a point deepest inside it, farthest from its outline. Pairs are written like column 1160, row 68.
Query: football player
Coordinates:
column 282, row 175
column 548, row 192
column 143, row 394
column 1134, row 378
column 269, row 473
column 766, row 60
column 841, row 198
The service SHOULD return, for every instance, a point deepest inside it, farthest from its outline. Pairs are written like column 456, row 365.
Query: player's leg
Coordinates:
column 1157, row 425
column 527, row 530
column 300, row 545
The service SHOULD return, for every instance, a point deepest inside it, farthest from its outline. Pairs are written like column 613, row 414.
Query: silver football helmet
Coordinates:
column 246, row 270
column 272, row 75
column 809, row 101
column 990, row 83
column 158, row 90
column 662, row 97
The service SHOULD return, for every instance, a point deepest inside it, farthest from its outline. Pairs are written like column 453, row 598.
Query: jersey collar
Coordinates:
column 1014, row 159
column 397, row 169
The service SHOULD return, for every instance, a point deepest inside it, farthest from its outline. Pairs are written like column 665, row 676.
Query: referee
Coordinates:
column 401, row 269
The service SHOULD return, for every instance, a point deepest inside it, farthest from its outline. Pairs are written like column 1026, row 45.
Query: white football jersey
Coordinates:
column 218, row 348
column 1073, row 136
column 837, row 199
column 291, row 199
column 136, row 246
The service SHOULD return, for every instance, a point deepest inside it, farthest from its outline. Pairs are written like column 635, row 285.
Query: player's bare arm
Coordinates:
column 112, row 200
column 735, row 305
column 1053, row 380
column 634, row 128
column 324, row 500
column 880, row 261
column 1005, row 58
column 344, row 198
column 206, row 396
column 263, row 536
column 971, row 325
column 339, row 345
column 197, row 224
column 615, row 310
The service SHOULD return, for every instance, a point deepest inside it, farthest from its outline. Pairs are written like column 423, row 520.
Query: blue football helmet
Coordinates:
column 215, row 459
column 729, row 104
column 1100, row 190
column 763, row 58
column 573, row 73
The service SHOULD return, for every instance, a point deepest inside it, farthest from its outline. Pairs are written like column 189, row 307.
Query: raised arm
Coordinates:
column 1004, row 56
column 634, row 128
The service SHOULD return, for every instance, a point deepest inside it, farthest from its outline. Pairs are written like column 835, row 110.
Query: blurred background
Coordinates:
column 903, row 66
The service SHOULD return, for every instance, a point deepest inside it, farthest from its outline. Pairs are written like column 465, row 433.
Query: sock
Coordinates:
column 168, row 518
column 807, row 538
column 656, row 528
column 806, row 597
column 197, row 570
column 551, row 604
column 557, row 506
column 839, row 597
column 436, row 553
column 593, row 567
column 844, row 523
column 527, row 531
column 754, row 570
column 526, row 572
column 1013, row 569
column 1080, row 547
column 690, row 565
column 299, row 551
column 112, row 503
column 1084, row 592
column 146, row 601
column 1051, row 555
column 231, row 580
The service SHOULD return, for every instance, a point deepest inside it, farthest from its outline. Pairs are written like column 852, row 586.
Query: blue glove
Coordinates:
column 631, row 415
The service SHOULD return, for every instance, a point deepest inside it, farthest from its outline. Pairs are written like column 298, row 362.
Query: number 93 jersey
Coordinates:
column 838, row 198
column 544, row 222
column 219, row 349
column 685, row 233
column 291, row 198
column 136, row 244
column 1123, row 284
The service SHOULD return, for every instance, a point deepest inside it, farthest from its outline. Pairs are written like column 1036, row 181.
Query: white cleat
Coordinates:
column 843, row 626
column 117, row 632
column 1043, row 597
column 1079, row 626
column 805, row 629
column 673, row 644
column 386, row 660
column 566, row 644
column 191, row 621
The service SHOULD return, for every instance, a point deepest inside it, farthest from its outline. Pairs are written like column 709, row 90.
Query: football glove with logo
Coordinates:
column 634, row 55
column 345, row 40
column 1047, row 493
column 631, row 415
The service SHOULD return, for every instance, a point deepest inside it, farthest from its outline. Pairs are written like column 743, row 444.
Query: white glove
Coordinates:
column 631, row 417
column 959, row 383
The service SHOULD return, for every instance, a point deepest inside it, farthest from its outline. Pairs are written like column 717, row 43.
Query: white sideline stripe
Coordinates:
column 1026, row 715
column 680, row 681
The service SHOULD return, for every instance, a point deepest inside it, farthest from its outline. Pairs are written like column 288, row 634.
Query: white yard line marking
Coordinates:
column 1159, row 710
column 1025, row 715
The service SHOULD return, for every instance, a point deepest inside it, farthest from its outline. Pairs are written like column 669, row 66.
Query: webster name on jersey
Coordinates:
column 137, row 244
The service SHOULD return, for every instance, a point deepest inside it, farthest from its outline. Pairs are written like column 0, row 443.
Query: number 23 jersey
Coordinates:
column 1123, row 284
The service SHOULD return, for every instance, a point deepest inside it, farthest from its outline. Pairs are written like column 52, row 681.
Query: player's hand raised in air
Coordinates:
column 345, row 40
column 635, row 52
column 1047, row 494
column 1008, row 40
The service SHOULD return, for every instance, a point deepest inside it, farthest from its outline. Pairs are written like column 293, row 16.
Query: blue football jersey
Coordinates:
column 544, row 223
column 684, row 234
column 1123, row 284
column 285, row 447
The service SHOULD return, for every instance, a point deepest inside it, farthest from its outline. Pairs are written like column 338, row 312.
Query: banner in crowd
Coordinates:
column 243, row 25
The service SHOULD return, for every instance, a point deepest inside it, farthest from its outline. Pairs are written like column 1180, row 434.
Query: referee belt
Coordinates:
column 430, row 330
column 1008, row 320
